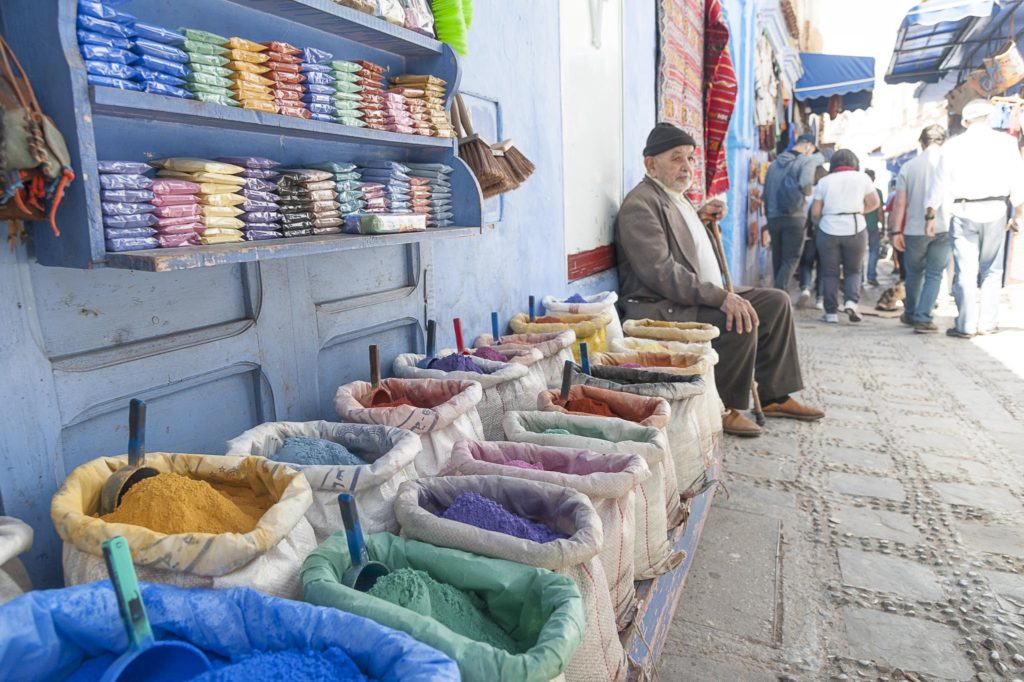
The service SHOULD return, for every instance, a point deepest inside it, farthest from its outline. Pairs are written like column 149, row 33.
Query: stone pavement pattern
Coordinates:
column 884, row 543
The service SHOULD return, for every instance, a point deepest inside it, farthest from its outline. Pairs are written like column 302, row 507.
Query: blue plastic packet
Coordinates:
column 318, row 99
column 123, row 167
column 158, row 77
column 311, row 55
column 132, row 244
column 164, row 66
column 385, row 165
column 159, row 34
column 259, row 207
column 110, row 69
column 158, row 88
column 90, row 38
column 322, row 110
column 124, row 222
column 128, row 232
column 315, row 78
column 326, row 118
column 103, row 10
column 136, row 195
column 126, row 208
column 154, row 49
column 108, row 54
column 255, row 195
column 108, row 28
column 258, row 185
column 313, row 88
column 318, row 68
column 125, row 181
column 108, row 82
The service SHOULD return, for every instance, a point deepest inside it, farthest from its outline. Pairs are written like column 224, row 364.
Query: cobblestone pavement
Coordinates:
column 884, row 543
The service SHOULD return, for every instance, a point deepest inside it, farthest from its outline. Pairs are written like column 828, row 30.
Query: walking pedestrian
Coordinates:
column 874, row 221
column 840, row 201
column 787, row 188
column 925, row 248
column 979, row 176
column 810, row 271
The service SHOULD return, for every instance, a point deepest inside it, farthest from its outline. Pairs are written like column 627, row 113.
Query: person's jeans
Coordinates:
column 926, row 259
column 835, row 251
column 874, row 245
column 807, row 260
column 787, row 234
column 978, row 262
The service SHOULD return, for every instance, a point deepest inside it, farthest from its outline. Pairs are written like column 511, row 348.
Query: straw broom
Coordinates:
column 474, row 151
column 521, row 167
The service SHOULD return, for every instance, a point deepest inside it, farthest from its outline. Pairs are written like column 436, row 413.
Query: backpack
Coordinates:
column 35, row 165
column 790, row 195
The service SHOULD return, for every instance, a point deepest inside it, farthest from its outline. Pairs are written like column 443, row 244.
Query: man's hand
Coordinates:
column 898, row 242
column 739, row 309
column 929, row 228
column 766, row 238
column 713, row 210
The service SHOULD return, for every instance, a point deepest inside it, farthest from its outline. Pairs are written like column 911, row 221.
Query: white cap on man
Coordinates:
column 977, row 109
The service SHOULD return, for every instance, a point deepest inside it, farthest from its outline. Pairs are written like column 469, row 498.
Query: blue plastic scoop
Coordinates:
column 363, row 573
column 146, row 659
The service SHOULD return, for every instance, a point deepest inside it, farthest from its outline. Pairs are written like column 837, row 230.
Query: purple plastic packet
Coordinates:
column 124, row 222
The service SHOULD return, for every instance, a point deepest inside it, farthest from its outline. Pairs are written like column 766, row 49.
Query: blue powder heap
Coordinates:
column 477, row 510
column 456, row 363
column 315, row 451
column 575, row 298
column 330, row 664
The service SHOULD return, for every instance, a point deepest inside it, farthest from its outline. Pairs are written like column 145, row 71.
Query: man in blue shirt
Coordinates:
column 787, row 188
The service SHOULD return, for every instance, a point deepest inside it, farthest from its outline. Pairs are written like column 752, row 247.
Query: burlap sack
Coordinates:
column 392, row 453
column 653, row 555
column 589, row 329
column 441, row 414
column 600, row 655
column 603, row 302
column 646, row 411
column 555, row 348
column 710, row 404
column 609, row 481
column 266, row 559
column 509, row 386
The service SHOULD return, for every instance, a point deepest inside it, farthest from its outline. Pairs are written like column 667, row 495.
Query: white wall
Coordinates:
column 591, row 122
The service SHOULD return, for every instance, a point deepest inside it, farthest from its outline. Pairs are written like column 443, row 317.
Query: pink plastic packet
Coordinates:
column 164, row 224
column 172, row 186
column 174, row 199
column 170, row 241
column 399, row 129
column 182, row 211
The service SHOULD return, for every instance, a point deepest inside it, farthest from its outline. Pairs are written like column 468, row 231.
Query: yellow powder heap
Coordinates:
column 171, row 504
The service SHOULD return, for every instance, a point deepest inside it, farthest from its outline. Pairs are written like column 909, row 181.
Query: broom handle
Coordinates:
column 457, row 118
column 467, row 122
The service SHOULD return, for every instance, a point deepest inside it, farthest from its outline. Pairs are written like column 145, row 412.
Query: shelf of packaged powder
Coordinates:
column 125, row 104
column 166, row 260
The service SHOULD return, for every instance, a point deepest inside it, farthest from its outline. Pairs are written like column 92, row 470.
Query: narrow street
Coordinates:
column 889, row 537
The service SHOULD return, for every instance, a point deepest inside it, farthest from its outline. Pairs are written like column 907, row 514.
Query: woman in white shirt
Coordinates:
column 840, row 201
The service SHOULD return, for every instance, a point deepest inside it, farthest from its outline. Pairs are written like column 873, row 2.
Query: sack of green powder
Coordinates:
column 589, row 329
column 646, row 411
column 555, row 348
column 15, row 539
column 440, row 413
column 389, row 454
column 506, row 385
column 608, row 480
column 266, row 559
column 542, row 611
column 596, row 304
column 653, row 555
column 600, row 655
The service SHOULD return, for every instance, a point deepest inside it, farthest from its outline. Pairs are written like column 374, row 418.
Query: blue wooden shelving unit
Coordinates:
column 106, row 123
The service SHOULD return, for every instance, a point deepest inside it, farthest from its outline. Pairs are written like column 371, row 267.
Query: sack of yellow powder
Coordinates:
column 220, row 522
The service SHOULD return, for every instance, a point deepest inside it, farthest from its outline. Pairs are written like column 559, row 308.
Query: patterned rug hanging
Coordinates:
column 719, row 97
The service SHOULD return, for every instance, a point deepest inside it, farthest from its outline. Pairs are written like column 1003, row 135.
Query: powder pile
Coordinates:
column 488, row 353
column 315, row 451
column 264, row 666
column 591, row 406
column 523, row 464
column 575, row 298
column 456, row 363
column 171, row 504
column 476, row 510
column 459, row 611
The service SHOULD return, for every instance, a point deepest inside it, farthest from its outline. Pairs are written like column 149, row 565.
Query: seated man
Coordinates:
column 669, row 270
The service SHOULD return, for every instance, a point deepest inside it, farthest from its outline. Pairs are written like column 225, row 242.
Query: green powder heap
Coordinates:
column 457, row 610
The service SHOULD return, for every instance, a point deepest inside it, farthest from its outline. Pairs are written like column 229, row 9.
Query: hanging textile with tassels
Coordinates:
column 720, row 93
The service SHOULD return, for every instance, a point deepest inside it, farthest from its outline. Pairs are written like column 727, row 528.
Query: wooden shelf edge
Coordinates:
column 130, row 104
column 167, row 260
column 645, row 637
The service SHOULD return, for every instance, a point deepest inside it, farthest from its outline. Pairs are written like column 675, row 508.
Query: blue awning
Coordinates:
column 944, row 37
column 826, row 75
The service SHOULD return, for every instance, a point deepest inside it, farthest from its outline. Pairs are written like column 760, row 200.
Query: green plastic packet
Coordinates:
column 202, row 36
column 344, row 77
column 199, row 47
column 344, row 86
column 197, row 59
column 541, row 610
column 213, row 70
column 216, row 99
column 348, row 97
column 350, row 121
column 345, row 67
column 211, row 90
column 208, row 79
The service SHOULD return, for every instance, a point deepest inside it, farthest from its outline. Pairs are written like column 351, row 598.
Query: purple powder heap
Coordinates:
column 488, row 353
column 456, row 363
column 477, row 510
column 575, row 298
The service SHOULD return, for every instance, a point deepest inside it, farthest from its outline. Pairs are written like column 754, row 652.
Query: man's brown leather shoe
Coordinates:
column 736, row 423
column 791, row 409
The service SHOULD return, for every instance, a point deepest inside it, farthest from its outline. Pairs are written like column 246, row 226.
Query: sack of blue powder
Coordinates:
column 367, row 460
column 562, row 533
column 506, row 385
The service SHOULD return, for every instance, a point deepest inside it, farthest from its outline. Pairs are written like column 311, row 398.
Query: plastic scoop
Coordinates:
column 494, row 329
column 459, row 343
column 146, row 659
column 363, row 573
column 431, row 345
column 585, row 357
column 379, row 394
column 566, row 380
column 533, row 309
column 124, row 478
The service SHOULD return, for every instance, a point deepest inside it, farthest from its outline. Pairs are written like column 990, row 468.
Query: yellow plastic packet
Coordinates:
column 246, row 56
column 260, row 105
column 202, row 177
column 236, row 43
column 251, row 79
column 235, row 236
column 222, row 223
column 247, row 67
column 259, row 95
column 217, row 188
column 192, row 165
column 413, row 79
column 223, row 199
column 222, row 211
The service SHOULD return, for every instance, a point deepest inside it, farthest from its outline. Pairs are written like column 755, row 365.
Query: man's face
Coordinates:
column 673, row 168
column 805, row 148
